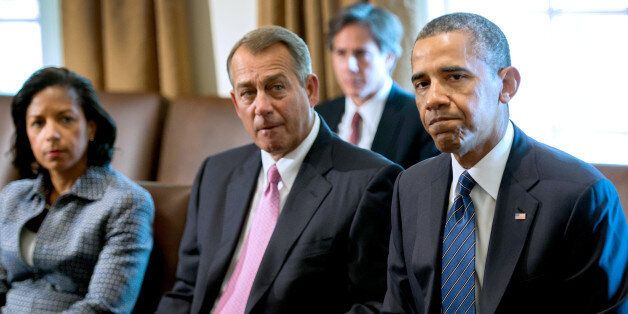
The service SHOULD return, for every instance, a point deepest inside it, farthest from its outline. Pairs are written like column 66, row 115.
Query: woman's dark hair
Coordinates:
column 99, row 151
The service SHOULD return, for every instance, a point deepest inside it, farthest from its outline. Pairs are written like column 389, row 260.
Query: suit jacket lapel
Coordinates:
column 430, row 218
column 337, row 109
column 236, row 209
column 309, row 190
column 385, row 137
column 508, row 234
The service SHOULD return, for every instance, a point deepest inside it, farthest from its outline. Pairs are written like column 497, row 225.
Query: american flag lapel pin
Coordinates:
column 520, row 216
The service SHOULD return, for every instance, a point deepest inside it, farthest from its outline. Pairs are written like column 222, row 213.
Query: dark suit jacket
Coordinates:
column 568, row 256
column 400, row 136
column 328, row 251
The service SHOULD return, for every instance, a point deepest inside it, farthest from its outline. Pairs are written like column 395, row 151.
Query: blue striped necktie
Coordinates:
column 458, row 262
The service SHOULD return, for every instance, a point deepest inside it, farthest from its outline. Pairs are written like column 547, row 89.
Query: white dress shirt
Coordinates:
column 370, row 111
column 488, row 174
column 288, row 167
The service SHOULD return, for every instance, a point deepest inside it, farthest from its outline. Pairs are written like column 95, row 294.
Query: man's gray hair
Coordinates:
column 262, row 38
column 384, row 26
column 489, row 42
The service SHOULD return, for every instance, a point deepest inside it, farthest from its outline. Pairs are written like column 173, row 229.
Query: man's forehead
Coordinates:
column 442, row 46
column 447, row 40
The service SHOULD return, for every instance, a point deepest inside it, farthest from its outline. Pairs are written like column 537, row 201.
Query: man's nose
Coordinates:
column 352, row 63
column 263, row 104
column 436, row 96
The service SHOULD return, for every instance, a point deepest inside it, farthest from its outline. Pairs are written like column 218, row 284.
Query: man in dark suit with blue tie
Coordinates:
column 498, row 223
column 297, row 222
column 375, row 113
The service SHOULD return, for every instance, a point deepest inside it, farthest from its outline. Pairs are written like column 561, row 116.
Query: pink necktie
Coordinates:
column 356, row 122
column 236, row 295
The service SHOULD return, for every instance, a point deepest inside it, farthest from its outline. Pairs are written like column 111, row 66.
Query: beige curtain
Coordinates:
column 411, row 13
column 309, row 19
column 129, row 46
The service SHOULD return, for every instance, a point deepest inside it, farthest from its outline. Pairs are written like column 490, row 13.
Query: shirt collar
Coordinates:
column 289, row 165
column 489, row 170
column 91, row 185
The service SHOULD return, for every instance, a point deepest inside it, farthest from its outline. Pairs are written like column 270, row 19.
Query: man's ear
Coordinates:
column 311, row 86
column 510, row 83
column 390, row 61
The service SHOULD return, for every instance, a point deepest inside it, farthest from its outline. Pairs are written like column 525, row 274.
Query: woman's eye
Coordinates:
column 67, row 119
column 36, row 124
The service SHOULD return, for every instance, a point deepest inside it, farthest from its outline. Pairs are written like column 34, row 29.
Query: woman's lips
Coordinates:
column 54, row 153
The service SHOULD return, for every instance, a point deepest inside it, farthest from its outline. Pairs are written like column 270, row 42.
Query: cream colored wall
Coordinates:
column 229, row 21
column 215, row 26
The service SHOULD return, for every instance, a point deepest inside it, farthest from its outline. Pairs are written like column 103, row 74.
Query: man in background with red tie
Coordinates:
column 498, row 223
column 297, row 222
column 375, row 113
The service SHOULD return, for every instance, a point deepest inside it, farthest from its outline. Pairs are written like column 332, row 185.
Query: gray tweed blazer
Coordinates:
column 91, row 250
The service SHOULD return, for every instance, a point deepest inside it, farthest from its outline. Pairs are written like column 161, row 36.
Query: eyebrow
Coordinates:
column 417, row 76
column 38, row 114
column 244, row 84
column 271, row 78
column 453, row 68
column 274, row 77
column 445, row 69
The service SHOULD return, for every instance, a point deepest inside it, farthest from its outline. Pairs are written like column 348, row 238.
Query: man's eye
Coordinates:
column 340, row 53
column 278, row 87
column 456, row 77
column 246, row 93
column 420, row 85
column 360, row 54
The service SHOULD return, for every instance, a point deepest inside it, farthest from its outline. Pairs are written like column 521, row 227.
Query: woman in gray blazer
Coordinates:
column 75, row 234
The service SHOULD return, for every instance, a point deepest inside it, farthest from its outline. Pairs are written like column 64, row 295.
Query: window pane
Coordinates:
column 25, row 56
column 492, row 7
column 19, row 9
column 588, row 77
column 590, row 5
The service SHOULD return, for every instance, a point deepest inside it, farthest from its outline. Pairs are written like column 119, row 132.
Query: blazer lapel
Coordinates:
column 334, row 116
column 386, row 135
column 515, row 209
column 237, row 201
column 309, row 190
column 430, row 218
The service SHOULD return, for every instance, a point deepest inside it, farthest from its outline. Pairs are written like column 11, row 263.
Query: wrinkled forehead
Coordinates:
column 248, row 66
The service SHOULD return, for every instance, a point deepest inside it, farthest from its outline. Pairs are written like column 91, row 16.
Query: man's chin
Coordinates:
column 269, row 146
column 447, row 143
column 353, row 91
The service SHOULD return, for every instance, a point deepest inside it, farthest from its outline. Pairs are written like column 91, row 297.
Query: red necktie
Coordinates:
column 356, row 124
column 236, row 295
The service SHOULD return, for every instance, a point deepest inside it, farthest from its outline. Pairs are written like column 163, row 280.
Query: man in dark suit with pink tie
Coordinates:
column 297, row 222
